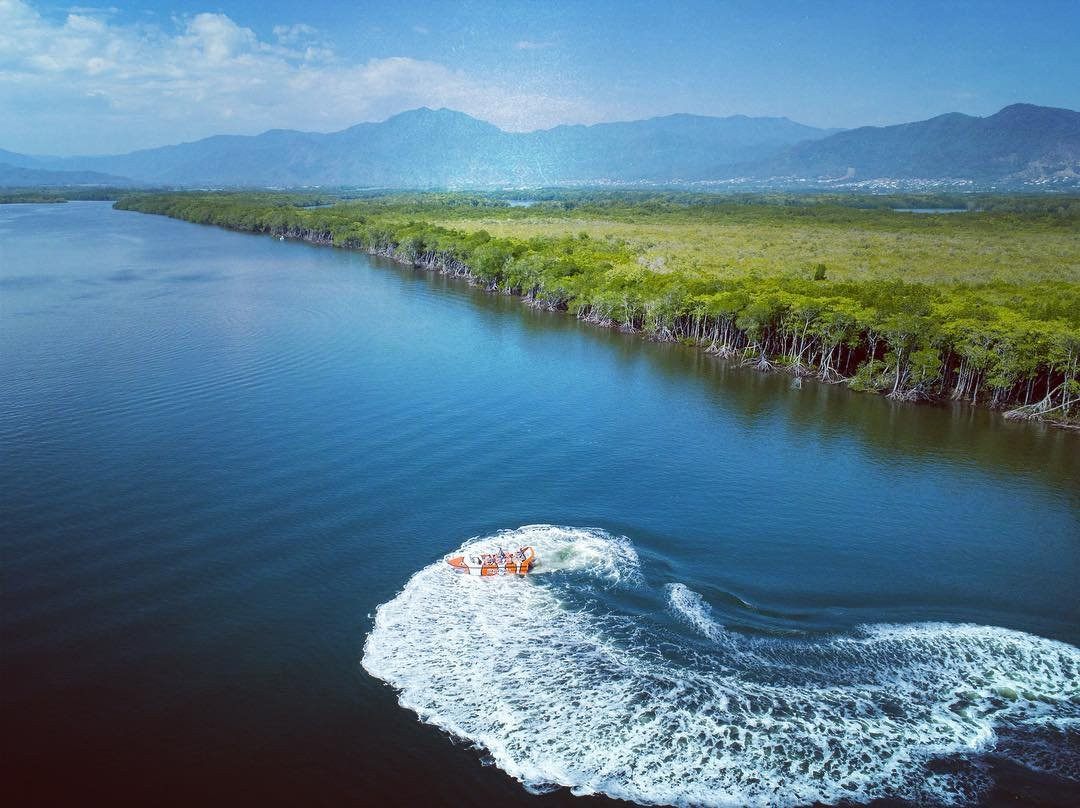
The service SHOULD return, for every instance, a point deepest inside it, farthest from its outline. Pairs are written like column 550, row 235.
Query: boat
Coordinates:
column 500, row 562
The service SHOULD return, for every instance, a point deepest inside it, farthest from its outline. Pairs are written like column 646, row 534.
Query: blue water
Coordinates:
column 930, row 210
column 225, row 458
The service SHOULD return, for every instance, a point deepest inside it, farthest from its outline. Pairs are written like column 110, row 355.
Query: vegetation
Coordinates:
column 38, row 195
column 981, row 306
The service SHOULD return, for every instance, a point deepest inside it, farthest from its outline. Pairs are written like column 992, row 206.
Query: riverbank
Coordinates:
column 39, row 196
column 1013, row 347
column 769, row 363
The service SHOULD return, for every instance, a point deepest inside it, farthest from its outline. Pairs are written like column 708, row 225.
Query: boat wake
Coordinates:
column 692, row 608
column 599, row 700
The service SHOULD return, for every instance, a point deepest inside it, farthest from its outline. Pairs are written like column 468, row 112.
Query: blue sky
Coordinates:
column 125, row 75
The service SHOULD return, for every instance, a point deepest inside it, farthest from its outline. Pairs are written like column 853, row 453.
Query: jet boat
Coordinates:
column 500, row 562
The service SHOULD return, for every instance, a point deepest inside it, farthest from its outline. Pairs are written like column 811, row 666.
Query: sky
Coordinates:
column 128, row 75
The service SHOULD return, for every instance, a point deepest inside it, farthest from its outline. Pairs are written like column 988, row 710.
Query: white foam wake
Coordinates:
column 581, row 697
column 690, row 606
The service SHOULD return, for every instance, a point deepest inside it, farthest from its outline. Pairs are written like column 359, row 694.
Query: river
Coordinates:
column 231, row 467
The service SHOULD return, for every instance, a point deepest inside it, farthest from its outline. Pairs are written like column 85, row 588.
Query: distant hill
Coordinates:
column 671, row 148
column 20, row 177
column 440, row 148
column 18, row 160
column 424, row 148
column 1020, row 143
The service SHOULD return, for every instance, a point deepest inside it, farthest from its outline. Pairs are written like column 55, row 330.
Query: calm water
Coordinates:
column 222, row 454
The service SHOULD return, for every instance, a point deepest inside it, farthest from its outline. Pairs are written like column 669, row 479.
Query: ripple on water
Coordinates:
column 565, row 691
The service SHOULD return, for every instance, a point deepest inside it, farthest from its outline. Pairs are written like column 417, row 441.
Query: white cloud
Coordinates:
column 105, row 10
column 89, row 85
column 293, row 33
column 217, row 38
column 526, row 44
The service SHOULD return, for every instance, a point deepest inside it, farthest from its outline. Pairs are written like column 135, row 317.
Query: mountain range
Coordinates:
column 20, row 176
column 424, row 148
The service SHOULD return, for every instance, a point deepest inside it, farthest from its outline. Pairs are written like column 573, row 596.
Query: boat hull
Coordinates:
column 487, row 565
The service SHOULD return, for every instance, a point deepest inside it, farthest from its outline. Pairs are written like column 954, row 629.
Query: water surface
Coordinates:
column 930, row 210
column 221, row 454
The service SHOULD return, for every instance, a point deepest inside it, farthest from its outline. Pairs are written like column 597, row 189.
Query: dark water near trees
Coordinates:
column 222, row 453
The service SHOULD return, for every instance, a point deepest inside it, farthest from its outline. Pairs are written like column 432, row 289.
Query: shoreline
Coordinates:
column 460, row 270
column 871, row 336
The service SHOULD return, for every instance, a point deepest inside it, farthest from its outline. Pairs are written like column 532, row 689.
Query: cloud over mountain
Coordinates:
column 126, row 85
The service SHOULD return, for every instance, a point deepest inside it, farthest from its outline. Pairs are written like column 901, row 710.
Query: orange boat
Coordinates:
column 516, row 562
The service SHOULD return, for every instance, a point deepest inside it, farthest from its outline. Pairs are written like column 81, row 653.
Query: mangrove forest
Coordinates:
column 978, row 304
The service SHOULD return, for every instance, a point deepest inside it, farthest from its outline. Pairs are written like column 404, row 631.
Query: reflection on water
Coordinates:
column 897, row 430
